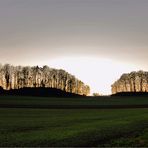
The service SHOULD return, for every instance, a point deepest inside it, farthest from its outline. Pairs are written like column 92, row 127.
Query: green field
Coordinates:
column 81, row 102
column 34, row 123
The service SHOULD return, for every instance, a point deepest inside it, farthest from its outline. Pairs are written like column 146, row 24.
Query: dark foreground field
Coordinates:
column 29, row 121
column 73, row 102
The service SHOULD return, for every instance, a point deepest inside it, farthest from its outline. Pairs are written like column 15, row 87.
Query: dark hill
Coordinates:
column 131, row 94
column 40, row 91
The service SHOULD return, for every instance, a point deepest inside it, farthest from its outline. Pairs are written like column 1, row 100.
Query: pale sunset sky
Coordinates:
column 95, row 40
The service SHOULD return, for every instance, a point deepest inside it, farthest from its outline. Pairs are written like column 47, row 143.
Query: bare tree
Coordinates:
column 18, row 77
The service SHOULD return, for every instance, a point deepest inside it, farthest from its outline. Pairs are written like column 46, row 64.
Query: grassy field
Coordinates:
column 82, row 102
column 73, row 127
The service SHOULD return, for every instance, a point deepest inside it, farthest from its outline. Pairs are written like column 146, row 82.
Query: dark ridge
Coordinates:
column 38, row 92
column 73, row 106
column 131, row 94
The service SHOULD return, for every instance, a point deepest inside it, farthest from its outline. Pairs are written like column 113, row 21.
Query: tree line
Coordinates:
column 131, row 82
column 15, row 77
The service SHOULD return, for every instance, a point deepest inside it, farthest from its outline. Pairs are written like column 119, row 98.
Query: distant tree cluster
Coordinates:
column 131, row 82
column 96, row 94
column 15, row 77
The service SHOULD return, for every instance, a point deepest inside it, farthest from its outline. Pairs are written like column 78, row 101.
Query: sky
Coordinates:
column 96, row 40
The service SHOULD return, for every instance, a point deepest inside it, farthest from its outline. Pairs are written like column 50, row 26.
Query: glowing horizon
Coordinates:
column 98, row 73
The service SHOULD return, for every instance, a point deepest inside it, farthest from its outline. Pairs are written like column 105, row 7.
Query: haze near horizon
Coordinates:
column 96, row 40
